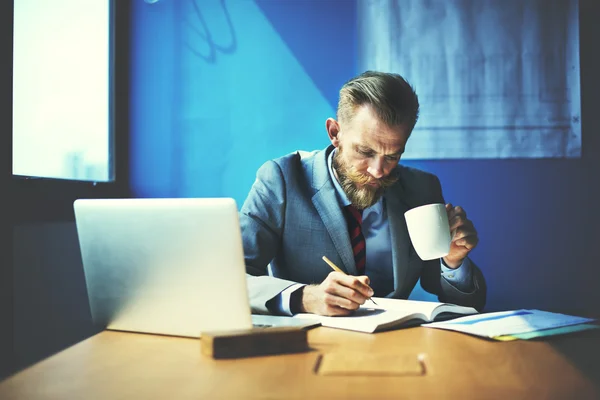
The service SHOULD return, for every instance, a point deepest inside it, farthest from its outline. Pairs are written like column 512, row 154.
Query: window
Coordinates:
column 61, row 82
column 70, row 61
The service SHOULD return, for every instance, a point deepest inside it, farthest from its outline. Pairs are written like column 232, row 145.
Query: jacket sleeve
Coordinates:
column 262, row 219
column 433, row 282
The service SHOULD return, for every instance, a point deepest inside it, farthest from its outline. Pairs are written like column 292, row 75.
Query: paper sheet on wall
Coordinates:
column 495, row 78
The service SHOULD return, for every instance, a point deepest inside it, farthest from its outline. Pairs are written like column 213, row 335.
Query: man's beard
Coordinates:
column 355, row 184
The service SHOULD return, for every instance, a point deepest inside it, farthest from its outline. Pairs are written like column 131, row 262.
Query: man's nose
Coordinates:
column 376, row 168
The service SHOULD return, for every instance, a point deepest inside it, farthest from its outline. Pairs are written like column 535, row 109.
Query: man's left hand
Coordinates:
column 464, row 236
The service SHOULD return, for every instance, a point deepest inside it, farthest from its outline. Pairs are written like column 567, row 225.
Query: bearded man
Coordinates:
column 347, row 202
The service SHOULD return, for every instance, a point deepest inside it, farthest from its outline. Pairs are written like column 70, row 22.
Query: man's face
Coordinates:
column 367, row 156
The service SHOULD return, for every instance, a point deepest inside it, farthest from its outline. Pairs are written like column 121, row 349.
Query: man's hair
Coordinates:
column 393, row 99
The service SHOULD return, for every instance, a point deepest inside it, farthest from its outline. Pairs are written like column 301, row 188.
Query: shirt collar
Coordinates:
column 341, row 195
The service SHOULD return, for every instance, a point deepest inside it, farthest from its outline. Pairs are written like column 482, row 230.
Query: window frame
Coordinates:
column 48, row 199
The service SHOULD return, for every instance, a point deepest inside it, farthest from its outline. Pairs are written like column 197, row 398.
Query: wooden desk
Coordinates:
column 114, row 365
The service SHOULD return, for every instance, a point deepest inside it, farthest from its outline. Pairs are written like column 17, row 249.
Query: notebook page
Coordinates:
column 404, row 306
column 365, row 319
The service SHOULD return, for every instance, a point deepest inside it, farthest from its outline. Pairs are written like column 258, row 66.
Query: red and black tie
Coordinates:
column 357, row 239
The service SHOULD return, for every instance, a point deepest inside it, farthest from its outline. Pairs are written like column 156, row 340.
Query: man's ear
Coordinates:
column 333, row 130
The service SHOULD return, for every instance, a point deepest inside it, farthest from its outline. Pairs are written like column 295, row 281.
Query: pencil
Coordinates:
column 336, row 268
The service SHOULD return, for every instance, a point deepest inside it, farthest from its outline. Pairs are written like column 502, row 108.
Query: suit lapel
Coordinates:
column 403, row 255
column 327, row 205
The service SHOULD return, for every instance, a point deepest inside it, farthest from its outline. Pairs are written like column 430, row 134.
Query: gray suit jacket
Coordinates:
column 291, row 218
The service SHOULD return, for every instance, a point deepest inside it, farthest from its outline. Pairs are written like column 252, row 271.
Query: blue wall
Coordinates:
column 220, row 87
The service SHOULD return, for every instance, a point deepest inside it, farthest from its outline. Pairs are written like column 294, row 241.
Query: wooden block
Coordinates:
column 253, row 342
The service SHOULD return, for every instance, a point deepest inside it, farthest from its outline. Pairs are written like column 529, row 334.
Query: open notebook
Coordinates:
column 392, row 314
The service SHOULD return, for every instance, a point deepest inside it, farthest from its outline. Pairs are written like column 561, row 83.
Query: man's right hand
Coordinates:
column 338, row 294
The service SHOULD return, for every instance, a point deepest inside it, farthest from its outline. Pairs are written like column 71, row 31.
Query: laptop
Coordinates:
column 167, row 266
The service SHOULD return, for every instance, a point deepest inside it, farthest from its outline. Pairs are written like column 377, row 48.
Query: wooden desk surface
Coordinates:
column 116, row 365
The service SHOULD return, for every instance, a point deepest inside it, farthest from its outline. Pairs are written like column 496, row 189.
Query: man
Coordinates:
column 298, row 211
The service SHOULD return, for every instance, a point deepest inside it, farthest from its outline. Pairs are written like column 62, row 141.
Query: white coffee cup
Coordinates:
column 429, row 230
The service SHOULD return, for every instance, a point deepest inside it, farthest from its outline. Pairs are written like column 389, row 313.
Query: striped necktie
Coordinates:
column 357, row 239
